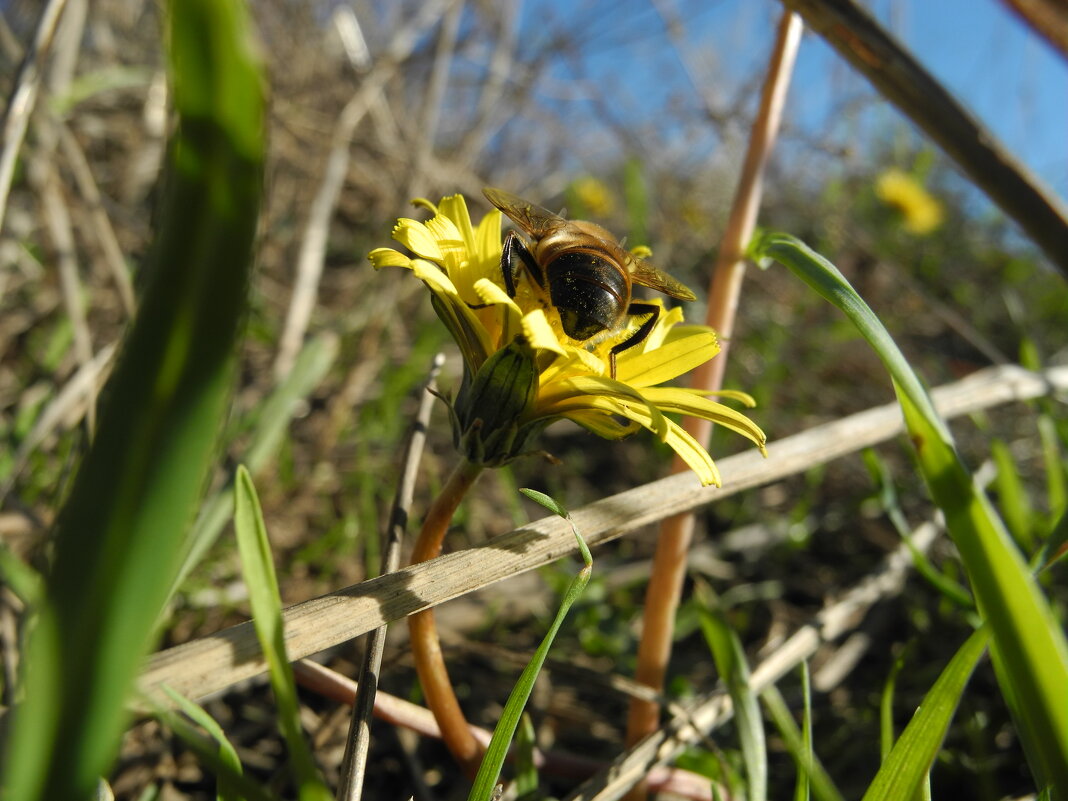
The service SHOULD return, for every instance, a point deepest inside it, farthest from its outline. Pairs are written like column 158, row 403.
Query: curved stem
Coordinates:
column 669, row 563
column 426, row 647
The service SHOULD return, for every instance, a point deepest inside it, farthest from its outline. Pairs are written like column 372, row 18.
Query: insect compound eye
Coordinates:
column 589, row 291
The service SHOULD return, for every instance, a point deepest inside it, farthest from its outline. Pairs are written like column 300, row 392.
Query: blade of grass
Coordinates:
column 1013, row 500
column 493, row 760
column 729, row 656
column 271, row 421
column 812, row 778
column 526, row 770
column 905, row 770
column 117, row 539
column 1029, row 648
column 258, row 569
column 210, row 754
column 226, row 788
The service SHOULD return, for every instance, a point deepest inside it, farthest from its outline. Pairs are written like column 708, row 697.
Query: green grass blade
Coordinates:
column 209, row 752
column 1013, row 500
column 118, row 536
column 493, row 760
column 905, row 770
column 730, row 661
column 271, row 421
column 1028, row 646
column 266, row 603
column 227, row 788
column 526, row 771
column 1056, row 467
column 812, row 778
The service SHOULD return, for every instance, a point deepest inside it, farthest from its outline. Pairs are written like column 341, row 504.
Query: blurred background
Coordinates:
column 635, row 114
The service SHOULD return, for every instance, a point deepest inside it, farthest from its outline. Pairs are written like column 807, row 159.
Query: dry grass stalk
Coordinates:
column 676, row 533
column 212, row 663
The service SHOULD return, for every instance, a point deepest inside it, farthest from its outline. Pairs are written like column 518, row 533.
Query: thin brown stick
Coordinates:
column 669, row 563
column 61, row 231
column 21, row 103
column 426, row 647
column 418, row 719
column 711, row 710
column 105, row 233
column 350, row 787
column 426, row 130
column 861, row 41
column 1048, row 17
column 313, row 246
column 212, row 663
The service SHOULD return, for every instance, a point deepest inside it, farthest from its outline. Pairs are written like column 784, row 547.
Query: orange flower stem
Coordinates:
column 426, row 647
column 669, row 562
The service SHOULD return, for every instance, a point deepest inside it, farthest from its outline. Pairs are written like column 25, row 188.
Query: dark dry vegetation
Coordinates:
column 955, row 299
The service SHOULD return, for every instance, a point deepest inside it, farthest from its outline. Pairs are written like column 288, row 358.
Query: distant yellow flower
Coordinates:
column 522, row 372
column 921, row 212
column 594, row 196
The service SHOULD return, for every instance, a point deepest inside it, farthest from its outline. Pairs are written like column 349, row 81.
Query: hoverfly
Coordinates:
column 587, row 272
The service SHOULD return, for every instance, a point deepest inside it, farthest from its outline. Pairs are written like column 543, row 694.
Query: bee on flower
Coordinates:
column 537, row 349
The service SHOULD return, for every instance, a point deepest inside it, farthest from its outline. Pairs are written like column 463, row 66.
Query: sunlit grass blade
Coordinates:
column 1013, row 500
column 226, row 787
column 949, row 588
column 812, row 778
column 118, row 537
column 1056, row 466
column 1029, row 651
column 493, row 760
column 905, row 770
column 526, row 771
column 269, row 424
column 730, row 661
column 22, row 579
column 210, row 750
column 258, row 568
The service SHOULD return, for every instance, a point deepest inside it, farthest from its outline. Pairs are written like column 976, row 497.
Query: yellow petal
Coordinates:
column 493, row 294
column 388, row 257
column 454, row 207
column 666, row 362
column 607, row 388
column 417, row 238
column 540, row 334
column 688, row 449
column 603, row 425
column 673, row 399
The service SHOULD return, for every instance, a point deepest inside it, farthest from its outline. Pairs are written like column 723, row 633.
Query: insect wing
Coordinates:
column 647, row 275
column 532, row 218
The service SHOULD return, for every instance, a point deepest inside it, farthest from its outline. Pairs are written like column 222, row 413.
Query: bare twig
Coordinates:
column 711, row 710
column 859, row 39
column 350, row 788
column 313, row 246
column 57, row 216
column 211, row 663
column 426, row 131
column 669, row 562
column 1048, row 17
column 81, row 388
column 105, row 233
column 418, row 719
column 20, row 104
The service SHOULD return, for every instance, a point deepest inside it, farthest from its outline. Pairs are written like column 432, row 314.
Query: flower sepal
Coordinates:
column 491, row 422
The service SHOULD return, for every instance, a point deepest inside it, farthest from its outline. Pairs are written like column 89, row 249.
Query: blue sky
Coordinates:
column 1013, row 81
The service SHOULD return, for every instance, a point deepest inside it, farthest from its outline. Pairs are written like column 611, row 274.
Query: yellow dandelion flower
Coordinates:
column 522, row 372
column 921, row 212
column 594, row 196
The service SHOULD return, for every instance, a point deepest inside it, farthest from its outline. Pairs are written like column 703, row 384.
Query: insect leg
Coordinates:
column 638, row 336
column 513, row 246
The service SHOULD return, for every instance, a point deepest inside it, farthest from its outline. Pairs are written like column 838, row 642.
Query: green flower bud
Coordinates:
column 489, row 417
